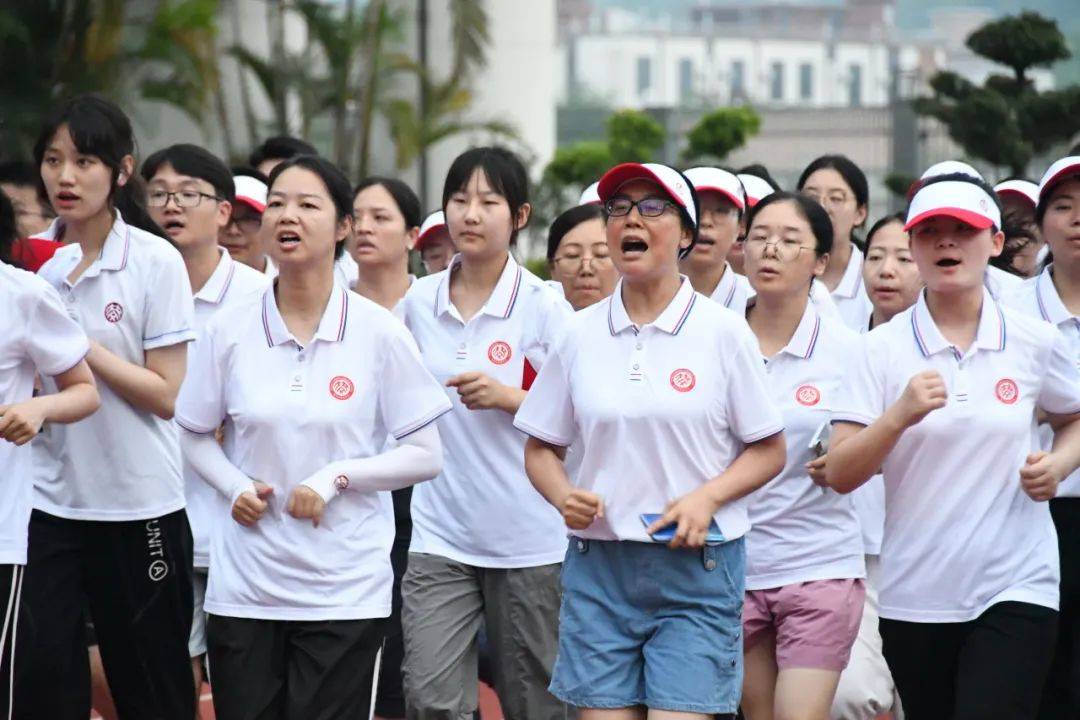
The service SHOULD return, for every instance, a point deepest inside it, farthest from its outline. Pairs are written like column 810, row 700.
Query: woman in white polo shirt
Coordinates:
column 1054, row 296
column 39, row 337
column 485, row 546
column 942, row 401
column 664, row 393
column 109, row 531
column 723, row 202
column 804, row 559
column 309, row 380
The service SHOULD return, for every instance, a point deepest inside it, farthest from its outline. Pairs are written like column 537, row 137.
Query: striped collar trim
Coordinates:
column 991, row 334
column 217, row 285
column 1051, row 309
column 804, row 340
column 671, row 320
column 331, row 327
column 503, row 297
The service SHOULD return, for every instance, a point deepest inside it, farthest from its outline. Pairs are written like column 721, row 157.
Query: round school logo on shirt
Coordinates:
column 1006, row 391
column 683, row 380
column 113, row 312
column 499, row 352
column 341, row 387
column 808, row 395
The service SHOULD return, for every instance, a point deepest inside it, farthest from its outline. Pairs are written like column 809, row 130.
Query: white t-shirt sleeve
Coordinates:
column 169, row 306
column 547, row 328
column 409, row 397
column 1060, row 390
column 55, row 342
column 861, row 397
column 548, row 412
column 752, row 414
column 200, row 407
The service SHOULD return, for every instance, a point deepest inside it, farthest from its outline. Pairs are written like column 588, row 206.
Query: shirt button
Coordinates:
column 710, row 564
column 296, row 378
column 636, row 366
column 69, row 298
column 580, row 544
column 639, row 346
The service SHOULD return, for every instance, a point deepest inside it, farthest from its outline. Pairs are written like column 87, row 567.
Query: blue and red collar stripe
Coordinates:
column 918, row 335
column 513, row 294
column 344, row 315
column 685, row 315
column 813, row 339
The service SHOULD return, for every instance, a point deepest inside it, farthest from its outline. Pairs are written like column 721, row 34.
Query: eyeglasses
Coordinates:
column 184, row 198
column 785, row 250
column 832, row 199
column 248, row 224
column 573, row 264
column 647, row 207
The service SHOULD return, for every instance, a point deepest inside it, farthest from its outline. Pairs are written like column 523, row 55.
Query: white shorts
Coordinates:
column 197, row 639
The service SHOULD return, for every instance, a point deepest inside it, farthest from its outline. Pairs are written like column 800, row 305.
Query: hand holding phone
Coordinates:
column 666, row 533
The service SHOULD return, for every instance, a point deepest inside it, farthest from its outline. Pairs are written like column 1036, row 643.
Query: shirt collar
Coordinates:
column 1051, row 308
column 503, row 298
column 990, row 335
column 670, row 320
column 725, row 289
column 851, row 282
column 331, row 326
column 803, row 342
column 213, row 291
column 114, row 253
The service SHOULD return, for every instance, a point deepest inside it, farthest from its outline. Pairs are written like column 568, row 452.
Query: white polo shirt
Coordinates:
column 732, row 291
column 230, row 283
column 1002, row 283
column 121, row 463
column 657, row 410
column 482, row 510
column 289, row 410
column 869, row 502
column 38, row 337
column 801, row 532
column 960, row 534
column 850, row 296
column 1039, row 298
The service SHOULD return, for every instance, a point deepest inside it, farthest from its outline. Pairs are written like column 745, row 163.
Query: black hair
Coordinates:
column 196, row 162
column 1048, row 192
column 964, row 177
column 7, row 228
column 99, row 128
column 882, row 222
column 567, row 222
column 337, row 186
column 505, row 174
column 853, row 176
column 20, row 174
column 404, row 197
column 280, row 147
column 245, row 171
column 760, row 171
column 1019, row 233
column 809, row 209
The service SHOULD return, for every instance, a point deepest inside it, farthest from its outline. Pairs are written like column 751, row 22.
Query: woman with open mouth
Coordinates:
column 941, row 400
column 723, row 204
column 664, row 393
column 309, row 380
column 1054, row 296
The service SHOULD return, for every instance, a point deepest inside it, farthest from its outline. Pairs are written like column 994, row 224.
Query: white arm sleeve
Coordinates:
column 207, row 458
column 417, row 457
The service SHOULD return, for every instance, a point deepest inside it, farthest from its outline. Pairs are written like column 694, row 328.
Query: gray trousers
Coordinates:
column 444, row 602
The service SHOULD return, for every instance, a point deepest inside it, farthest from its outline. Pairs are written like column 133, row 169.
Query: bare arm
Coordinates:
column 152, row 387
column 76, row 398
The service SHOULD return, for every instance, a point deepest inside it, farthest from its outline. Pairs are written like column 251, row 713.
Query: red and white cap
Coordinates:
column 1020, row 188
column 1057, row 172
column 757, row 189
column 710, row 179
column 432, row 224
column 949, row 167
column 964, row 201
column 590, row 195
column 665, row 177
column 250, row 191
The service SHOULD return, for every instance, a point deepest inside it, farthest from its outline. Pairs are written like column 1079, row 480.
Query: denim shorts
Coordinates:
column 641, row 624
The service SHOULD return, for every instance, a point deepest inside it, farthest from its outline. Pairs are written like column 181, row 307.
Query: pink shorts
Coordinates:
column 814, row 623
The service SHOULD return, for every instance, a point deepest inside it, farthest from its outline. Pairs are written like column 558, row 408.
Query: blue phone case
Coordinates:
column 665, row 534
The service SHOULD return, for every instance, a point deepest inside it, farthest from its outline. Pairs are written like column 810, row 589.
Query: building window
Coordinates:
column 855, row 85
column 738, row 79
column 644, row 74
column 806, row 81
column 776, row 81
column 686, row 79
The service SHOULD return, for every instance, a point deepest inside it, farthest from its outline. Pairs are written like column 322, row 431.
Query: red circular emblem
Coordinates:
column 1006, row 391
column 807, row 395
column 341, row 387
column 683, row 380
column 341, row 482
column 113, row 312
column 499, row 352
